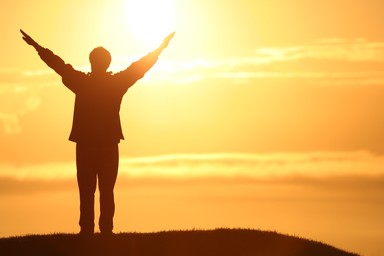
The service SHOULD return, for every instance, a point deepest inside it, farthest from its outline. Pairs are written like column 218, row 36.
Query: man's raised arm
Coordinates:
column 164, row 44
column 52, row 60
column 138, row 68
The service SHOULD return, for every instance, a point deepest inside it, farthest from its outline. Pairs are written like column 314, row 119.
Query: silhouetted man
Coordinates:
column 96, row 127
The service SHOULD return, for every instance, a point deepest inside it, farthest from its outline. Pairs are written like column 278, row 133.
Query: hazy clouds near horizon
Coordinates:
column 353, row 174
column 335, row 198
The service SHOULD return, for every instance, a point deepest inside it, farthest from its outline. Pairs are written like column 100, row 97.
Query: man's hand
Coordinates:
column 29, row 39
column 167, row 40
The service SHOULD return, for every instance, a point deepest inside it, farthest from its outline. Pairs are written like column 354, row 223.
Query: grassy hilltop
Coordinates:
column 222, row 242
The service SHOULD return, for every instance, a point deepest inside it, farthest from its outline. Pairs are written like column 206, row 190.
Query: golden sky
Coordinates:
column 248, row 76
column 297, row 85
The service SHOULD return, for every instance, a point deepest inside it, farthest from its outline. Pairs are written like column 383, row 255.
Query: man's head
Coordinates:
column 100, row 59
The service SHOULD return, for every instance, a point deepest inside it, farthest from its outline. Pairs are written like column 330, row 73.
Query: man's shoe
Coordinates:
column 107, row 233
column 86, row 233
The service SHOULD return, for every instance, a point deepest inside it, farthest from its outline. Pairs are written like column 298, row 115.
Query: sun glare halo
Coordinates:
column 150, row 20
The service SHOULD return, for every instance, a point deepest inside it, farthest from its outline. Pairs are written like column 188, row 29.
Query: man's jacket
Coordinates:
column 96, row 118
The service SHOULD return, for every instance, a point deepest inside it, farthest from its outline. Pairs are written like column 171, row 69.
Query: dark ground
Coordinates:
column 223, row 242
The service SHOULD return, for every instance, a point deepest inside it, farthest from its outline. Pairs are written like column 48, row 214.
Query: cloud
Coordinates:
column 347, row 173
column 10, row 119
column 14, row 186
column 328, row 49
column 19, row 95
column 316, row 78
column 44, row 171
column 224, row 165
column 12, row 80
column 10, row 123
column 315, row 164
column 42, row 72
column 266, row 63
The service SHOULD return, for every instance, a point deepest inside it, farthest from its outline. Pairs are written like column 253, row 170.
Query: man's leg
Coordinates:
column 107, row 174
column 86, row 180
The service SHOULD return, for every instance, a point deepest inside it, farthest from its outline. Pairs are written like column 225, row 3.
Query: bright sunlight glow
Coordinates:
column 150, row 20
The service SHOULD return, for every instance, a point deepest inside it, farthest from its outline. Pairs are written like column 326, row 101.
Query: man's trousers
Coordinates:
column 96, row 164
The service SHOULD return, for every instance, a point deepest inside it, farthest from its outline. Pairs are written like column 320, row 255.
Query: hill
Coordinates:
column 223, row 242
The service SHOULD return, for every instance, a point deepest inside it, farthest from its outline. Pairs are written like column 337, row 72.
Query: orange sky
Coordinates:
column 251, row 77
column 234, row 76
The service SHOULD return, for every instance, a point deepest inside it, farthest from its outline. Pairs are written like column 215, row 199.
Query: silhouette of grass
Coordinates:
column 220, row 242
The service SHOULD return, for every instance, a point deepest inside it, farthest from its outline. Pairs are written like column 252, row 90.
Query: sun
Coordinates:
column 150, row 20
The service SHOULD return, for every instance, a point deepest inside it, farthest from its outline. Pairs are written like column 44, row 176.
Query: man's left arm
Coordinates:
column 138, row 68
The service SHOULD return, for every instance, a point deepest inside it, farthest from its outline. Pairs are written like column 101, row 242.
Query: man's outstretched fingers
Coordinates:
column 22, row 32
column 27, row 38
